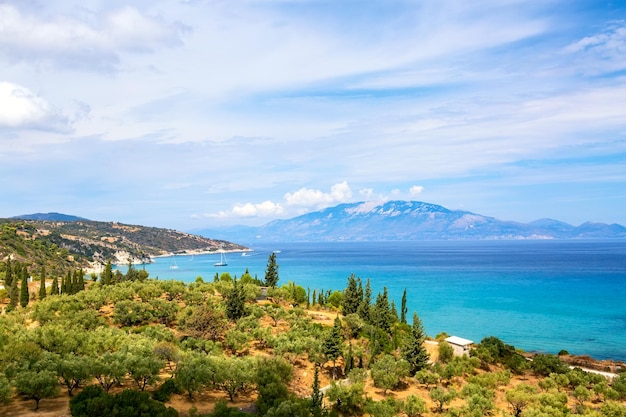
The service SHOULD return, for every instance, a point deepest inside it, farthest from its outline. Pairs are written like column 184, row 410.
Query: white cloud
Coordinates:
column 69, row 42
column 307, row 197
column 366, row 192
column 601, row 52
column 264, row 209
column 416, row 190
column 20, row 108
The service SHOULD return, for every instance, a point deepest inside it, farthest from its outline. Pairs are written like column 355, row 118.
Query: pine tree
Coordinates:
column 403, row 309
column 54, row 290
column 414, row 351
column 24, row 295
column 351, row 297
column 394, row 312
column 382, row 316
column 42, row 283
column 236, row 302
column 271, row 273
column 364, row 309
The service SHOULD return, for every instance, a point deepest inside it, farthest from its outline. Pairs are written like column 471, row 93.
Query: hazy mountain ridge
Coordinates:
column 410, row 220
column 49, row 217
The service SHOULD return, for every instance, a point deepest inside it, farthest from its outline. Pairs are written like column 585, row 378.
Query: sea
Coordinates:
column 538, row 295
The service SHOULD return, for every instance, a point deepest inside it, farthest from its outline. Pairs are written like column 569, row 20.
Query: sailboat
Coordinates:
column 174, row 265
column 222, row 261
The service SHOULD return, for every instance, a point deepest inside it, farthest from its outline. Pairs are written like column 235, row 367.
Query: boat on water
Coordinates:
column 174, row 265
column 222, row 261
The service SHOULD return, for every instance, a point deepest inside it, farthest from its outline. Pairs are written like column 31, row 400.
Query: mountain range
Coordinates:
column 407, row 220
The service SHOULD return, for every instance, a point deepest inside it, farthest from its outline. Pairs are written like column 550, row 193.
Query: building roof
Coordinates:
column 459, row 341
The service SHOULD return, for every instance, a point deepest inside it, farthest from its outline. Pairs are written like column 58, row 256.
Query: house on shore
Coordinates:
column 459, row 345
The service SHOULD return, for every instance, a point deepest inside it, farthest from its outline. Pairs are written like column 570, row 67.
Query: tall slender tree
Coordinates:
column 271, row 272
column 352, row 299
column 317, row 397
column 236, row 301
column 332, row 344
column 42, row 283
column 54, row 289
column 403, row 308
column 382, row 316
column 14, row 294
column 24, row 295
column 364, row 309
column 106, row 277
column 8, row 277
column 414, row 351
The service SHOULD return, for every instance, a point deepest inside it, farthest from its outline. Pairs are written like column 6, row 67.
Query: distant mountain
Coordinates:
column 409, row 220
column 57, row 217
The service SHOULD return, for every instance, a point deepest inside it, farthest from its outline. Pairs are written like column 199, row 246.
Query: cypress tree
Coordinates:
column 271, row 273
column 317, row 397
column 81, row 280
column 8, row 277
column 14, row 294
column 414, row 351
column 364, row 309
column 332, row 344
column 54, row 290
column 349, row 360
column 67, row 284
column 403, row 309
column 24, row 295
column 106, row 277
column 42, row 283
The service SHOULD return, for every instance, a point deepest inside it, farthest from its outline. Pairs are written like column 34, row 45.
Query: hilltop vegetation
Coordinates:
column 77, row 244
column 129, row 345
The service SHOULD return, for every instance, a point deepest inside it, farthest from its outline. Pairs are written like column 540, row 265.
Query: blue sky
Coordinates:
column 192, row 113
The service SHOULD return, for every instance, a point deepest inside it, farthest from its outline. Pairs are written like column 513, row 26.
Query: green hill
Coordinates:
column 80, row 243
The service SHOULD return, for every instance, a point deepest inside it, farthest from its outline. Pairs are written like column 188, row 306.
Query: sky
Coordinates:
column 189, row 114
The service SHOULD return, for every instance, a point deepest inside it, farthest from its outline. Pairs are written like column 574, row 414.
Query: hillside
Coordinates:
column 410, row 220
column 80, row 243
column 167, row 345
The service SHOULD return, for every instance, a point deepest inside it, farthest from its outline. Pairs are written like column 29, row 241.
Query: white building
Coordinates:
column 459, row 345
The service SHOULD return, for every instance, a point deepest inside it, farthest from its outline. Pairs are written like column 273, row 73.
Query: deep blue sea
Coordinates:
column 537, row 295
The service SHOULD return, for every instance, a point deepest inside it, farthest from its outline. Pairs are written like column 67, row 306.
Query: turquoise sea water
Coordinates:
column 537, row 295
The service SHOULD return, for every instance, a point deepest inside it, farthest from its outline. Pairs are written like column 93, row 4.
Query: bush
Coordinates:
column 5, row 389
column 94, row 402
column 166, row 390
column 544, row 365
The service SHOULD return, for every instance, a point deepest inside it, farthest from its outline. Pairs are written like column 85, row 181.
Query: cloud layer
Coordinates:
column 175, row 113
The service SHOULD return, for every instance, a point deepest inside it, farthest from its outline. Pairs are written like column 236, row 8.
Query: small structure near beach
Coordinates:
column 459, row 345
